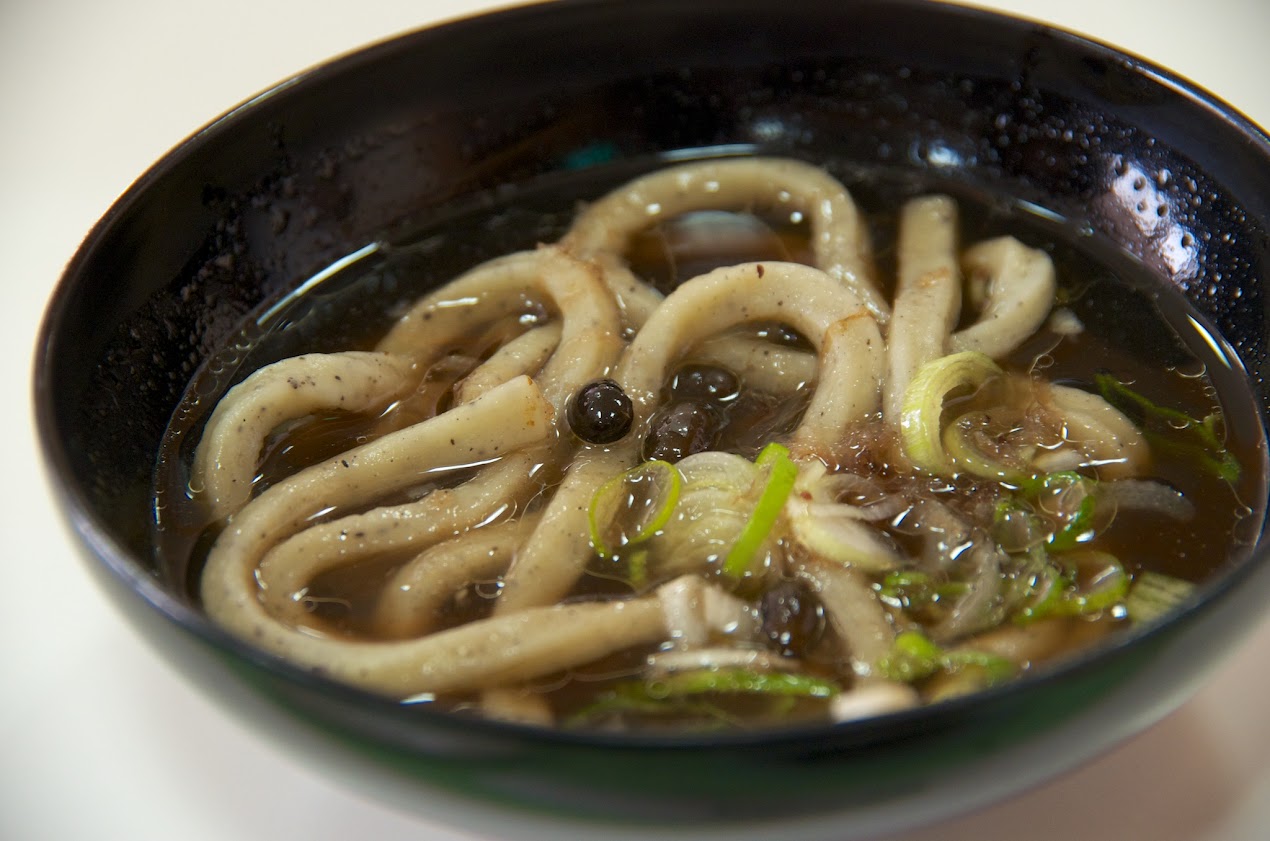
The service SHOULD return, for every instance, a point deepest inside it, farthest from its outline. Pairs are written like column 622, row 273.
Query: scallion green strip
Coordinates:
column 1192, row 438
column 905, row 588
column 1069, row 536
column 1015, row 526
column 912, row 588
column 781, row 473
column 744, row 681
column 679, row 693
column 637, row 568
column 914, row 657
column 1054, row 585
column 996, row 668
column 647, row 493
column 1107, row 588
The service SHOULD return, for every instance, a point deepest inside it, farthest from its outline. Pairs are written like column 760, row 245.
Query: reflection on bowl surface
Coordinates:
column 309, row 220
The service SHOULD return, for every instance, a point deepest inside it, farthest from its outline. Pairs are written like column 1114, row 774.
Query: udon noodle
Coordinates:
column 619, row 506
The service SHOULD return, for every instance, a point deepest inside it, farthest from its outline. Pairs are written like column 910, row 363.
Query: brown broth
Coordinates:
column 1137, row 334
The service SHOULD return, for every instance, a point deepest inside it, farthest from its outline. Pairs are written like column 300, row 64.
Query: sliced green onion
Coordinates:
column 717, row 470
column 906, row 588
column 914, row 657
column 828, row 533
column 995, row 667
column 781, row 473
column 774, row 454
column 1079, row 523
column 1105, row 584
column 1154, row 594
column 921, row 412
column 632, row 507
column 744, row 681
column 1052, row 585
column 911, row 588
column 1169, row 429
column 677, row 694
column 717, row 497
column 961, row 451
column 1100, row 583
column 637, row 568
column 1015, row 528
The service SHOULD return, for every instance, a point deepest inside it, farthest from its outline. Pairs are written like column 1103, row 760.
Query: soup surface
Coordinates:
column 736, row 448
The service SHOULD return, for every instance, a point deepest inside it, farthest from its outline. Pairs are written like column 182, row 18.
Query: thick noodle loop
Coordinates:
column 839, row 238
column 225, row 467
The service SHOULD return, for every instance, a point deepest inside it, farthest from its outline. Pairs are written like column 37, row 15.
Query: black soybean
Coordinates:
column 793, row 619
column 783, row 334
column 600, row 413
column 681, row 429
column 705, row 383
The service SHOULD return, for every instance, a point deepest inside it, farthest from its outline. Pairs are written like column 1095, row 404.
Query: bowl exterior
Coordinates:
column 386, row 142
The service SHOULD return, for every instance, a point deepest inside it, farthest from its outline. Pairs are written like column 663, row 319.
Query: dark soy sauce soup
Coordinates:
column 1132, row 331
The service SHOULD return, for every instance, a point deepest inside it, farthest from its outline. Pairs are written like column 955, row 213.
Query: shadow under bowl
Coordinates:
column 400, row 137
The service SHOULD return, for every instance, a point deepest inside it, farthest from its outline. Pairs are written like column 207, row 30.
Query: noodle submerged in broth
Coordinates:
column 698, row 464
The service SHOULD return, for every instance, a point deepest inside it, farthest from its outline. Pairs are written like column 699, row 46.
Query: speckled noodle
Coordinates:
column 883, row 560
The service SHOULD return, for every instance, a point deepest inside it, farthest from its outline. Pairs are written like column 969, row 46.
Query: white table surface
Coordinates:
column 99, row 741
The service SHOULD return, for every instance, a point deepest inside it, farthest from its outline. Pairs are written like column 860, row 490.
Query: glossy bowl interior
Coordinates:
column 399, row 138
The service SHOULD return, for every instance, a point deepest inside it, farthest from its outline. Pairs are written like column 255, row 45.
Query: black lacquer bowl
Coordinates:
column 394, row 140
